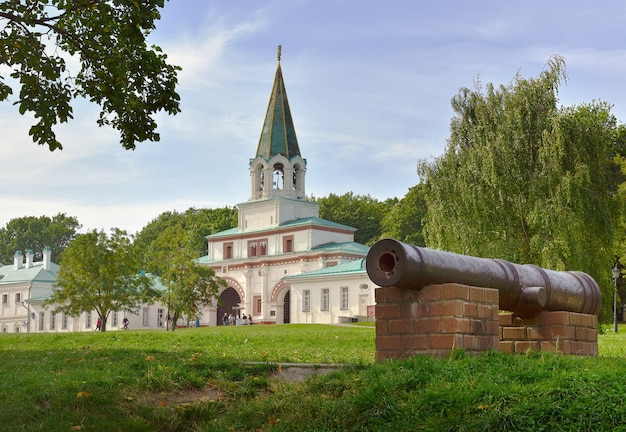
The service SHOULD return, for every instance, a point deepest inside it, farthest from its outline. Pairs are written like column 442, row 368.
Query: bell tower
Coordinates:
column 277, row 172
column 278, row 169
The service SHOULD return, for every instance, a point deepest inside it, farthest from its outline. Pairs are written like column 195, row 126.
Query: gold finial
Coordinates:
column 279, row 48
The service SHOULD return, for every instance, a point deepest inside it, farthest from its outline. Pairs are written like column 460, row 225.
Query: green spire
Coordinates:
column 279, row 134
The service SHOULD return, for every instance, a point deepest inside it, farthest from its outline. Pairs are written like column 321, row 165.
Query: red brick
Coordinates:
column 590, row 321
column 414, row 342
column 539, row 333
column 477, row 294
column 506, row 346
column 381, row 328
column 492, row 296
column 401, row 326
column 446, row 308
column 410, row 310
column 386, row 343
column 430, row 292
column 387, row 311
column 455, row 291
column 506, row 319
column 428, row 325
column 522, row 346
column 514, row 333
column 463, row 325
column 478, row 327
column 586, row 334
column 493, row 328
column 485, row 311
column 575, row 319
column 563, row 332
column 554, row 318
column 470, row 310
column 470, row 342
column 393, row 294
column 444, row 341
column 488, row 342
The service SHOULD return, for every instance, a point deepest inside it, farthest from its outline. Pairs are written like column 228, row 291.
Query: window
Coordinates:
column 5, row 329
column 344, row 304
column 88, row 320
column 325, row 299
column 287, row 244
column 256, row 306
column 18, row 298
column 306, row 301
column 41, row 318
column 114, row 321
column 146, row 316
column 160, row 313
column 5, row 299
column 263, row 248
column 228, row 250
column 53, row 321
column 251, row 249
column 64, row 322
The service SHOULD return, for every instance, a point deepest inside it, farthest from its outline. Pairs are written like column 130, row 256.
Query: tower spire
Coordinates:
column 279, row 51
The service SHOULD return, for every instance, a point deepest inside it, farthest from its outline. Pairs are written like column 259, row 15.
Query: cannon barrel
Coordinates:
column 524, row 289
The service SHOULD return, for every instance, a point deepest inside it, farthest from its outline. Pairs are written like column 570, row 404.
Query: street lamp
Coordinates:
column 616, row 272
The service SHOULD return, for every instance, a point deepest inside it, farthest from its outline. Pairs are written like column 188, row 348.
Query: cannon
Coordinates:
column 523, row 289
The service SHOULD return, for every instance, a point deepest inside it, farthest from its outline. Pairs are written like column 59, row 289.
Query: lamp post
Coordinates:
column 616, row 272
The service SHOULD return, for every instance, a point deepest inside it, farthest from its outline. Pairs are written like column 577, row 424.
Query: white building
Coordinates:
column 278, row 260
column 26, row 284
column 282, row 263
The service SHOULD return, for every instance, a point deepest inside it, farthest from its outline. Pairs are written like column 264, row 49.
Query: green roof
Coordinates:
column 279, row 134
column 36, row 273
column 352, row 267
column 316, row 221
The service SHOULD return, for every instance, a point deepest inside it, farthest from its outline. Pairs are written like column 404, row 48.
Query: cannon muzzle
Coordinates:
column 524, row 289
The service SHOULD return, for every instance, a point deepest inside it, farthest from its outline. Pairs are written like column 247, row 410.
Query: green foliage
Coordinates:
column 190, row 286
column 198, row 223
column 130, row 80
column 526, row 181
column 99, row 273
column 404, row 220
column 30, row 232
column 358, row 211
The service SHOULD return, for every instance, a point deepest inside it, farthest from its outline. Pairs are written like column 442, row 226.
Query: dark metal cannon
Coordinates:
column 524, row 289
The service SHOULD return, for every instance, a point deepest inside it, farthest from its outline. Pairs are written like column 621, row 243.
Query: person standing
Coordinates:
column 225, row 319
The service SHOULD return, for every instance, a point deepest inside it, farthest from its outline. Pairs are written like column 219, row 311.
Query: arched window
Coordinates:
column 278, row 176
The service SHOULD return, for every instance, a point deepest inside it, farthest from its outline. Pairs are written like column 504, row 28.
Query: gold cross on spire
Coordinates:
column 279, row 49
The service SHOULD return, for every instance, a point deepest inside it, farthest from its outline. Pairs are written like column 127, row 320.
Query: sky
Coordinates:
column 369, row 85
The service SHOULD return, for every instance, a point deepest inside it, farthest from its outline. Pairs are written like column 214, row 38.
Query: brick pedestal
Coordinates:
column 435, row 319
column 564, row 332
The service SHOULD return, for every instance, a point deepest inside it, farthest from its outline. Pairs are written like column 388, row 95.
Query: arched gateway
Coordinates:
column 229, row 301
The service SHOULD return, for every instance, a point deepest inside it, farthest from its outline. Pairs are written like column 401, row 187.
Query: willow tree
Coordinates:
column 525, row 180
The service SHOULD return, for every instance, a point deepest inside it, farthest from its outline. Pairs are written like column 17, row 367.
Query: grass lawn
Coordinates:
column 221, row 378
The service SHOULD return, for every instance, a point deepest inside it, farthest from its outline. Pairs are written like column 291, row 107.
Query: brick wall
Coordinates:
column 435, row 319
column 565, row 332
column 439, row 318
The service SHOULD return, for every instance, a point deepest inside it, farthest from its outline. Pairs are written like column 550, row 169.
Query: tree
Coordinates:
column 404, row 221
column 524, row 180
column 30, row 232
column 100, row 273
column 118, row 70
column 198, row 223
column 358, row 211
column 190, row 286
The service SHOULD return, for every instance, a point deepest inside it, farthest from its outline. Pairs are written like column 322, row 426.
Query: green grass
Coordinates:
column 153, row 381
